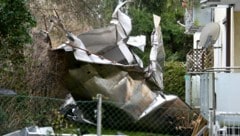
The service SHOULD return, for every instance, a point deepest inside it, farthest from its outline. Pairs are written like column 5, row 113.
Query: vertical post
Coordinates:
column 212, row 104
column 188, row 89
column 211, row 123
column 99, row 114
column 228, row 36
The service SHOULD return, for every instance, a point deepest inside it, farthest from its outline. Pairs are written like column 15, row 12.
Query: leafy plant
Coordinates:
column 3, row 116
column 170, row 11
column 174, row 82
column 16, row 22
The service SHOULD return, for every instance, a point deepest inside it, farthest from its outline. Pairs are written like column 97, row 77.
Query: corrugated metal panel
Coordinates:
column 196, row 91
column 188, row 89
column 192, row 90
column 206, row 94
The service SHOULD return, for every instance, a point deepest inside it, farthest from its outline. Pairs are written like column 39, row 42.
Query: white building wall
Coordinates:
column 196, row 37
column 220, row 45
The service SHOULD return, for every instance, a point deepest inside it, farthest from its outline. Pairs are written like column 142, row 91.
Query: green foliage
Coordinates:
column 176, row 43
column 3, row 116
column 142, row 21
column 15, row 22
column 19, row 111
column 106, row 9
column 142, row 25
column 174, row 82
column 170, row 11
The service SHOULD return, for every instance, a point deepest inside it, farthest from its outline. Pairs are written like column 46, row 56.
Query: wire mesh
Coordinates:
column 18, row 112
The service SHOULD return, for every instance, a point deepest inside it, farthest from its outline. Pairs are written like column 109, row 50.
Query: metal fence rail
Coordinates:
column 228, row 124
column 17, row 112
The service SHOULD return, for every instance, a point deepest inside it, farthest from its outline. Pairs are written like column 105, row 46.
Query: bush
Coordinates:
column 16, row 22
column 174, row 82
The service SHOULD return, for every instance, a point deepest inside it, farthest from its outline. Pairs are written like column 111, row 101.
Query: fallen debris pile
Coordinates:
column 102, row 61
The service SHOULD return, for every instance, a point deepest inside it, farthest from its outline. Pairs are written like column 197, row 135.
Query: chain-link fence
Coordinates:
column 18, row 112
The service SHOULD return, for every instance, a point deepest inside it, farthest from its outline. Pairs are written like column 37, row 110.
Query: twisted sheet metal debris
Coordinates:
column 104, row 63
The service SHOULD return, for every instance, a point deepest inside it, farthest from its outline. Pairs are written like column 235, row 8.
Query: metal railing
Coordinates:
column 228, row 124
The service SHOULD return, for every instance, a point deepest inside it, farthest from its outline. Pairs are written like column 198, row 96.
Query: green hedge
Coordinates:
column 174, row 83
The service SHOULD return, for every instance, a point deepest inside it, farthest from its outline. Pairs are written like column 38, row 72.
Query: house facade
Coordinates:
column 213, row 65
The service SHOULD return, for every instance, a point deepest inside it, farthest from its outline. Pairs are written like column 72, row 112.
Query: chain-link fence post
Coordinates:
column 99, row 114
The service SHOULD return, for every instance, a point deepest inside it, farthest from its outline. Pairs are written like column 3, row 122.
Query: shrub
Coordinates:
column 174, row 83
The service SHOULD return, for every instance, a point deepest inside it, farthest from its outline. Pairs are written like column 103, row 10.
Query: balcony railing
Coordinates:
column 200, row 59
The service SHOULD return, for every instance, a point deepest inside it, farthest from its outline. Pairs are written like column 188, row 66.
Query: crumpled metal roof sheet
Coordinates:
column 106, row 65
